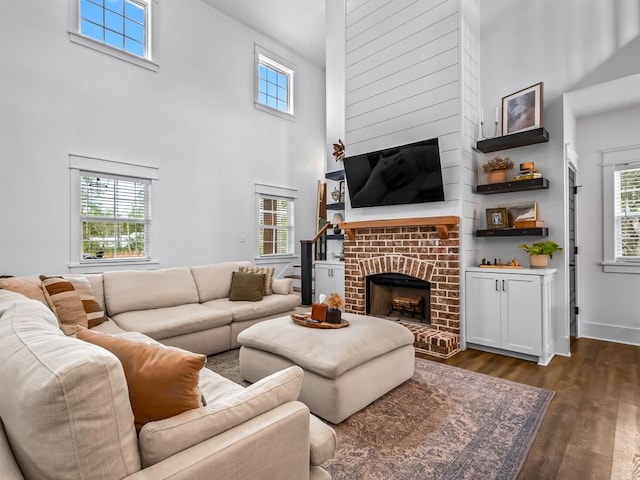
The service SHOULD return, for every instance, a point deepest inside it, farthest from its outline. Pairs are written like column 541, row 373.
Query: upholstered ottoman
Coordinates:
column 344, row 369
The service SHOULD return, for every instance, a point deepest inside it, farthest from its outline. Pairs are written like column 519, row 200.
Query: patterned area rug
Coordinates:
column 445, row 423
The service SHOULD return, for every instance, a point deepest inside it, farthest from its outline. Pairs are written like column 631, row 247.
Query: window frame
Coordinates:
column 150, row 59
column 80, row 166
column 613, row 160
column 273, row 61
column 280, row 193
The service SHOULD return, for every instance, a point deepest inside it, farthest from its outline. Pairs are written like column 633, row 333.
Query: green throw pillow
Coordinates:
column 246, row 286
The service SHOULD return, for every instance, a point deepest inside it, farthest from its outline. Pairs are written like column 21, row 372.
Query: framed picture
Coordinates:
column 521, row 211
column 522, row 110
column 497, row 218
column 341, row 188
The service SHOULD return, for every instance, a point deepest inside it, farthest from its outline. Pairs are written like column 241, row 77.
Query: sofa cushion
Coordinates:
column 162, row 381
column 282, row 286
column 270, row 305
column 268, row 276
column 214, row 281
column 73, row 302
column 127, row 291
column 159, row 440
column 28, row 286
column 246, row 287
column 168, row 322
column 322, row 441
column 66, row 396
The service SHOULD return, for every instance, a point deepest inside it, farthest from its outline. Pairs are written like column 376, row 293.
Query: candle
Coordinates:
column 482, row 115
column 497, row 115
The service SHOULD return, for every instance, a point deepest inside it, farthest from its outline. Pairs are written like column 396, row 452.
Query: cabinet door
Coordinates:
column 338, row 279
column 521, row 313
column 324, row 282
column 482, row 309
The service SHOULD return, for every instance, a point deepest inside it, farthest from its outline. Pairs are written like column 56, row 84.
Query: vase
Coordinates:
column 498, row 176
column 334, row 315
column 538, row 261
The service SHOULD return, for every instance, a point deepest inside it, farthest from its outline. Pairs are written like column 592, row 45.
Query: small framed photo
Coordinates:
column 497, row 218
column 522, row 110
column 341, row 188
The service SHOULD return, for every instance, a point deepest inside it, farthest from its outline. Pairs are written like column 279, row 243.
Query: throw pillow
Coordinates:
column 73, row 302
column 246, row 286
column 268, row 276
column 29, row 287
column 163, row 382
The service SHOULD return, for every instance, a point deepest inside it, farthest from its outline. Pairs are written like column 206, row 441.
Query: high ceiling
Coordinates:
column 298, row 24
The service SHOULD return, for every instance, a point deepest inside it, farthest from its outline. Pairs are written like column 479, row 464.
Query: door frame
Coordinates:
column 572, row 160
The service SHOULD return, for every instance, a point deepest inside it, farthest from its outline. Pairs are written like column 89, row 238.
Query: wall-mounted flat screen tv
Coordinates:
column 398, row 175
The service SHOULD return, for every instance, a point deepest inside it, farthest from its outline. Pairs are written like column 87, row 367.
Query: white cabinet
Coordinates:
column 329, row 278
column 510, row 312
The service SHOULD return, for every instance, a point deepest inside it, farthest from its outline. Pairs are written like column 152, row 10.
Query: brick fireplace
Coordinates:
column 424, row 248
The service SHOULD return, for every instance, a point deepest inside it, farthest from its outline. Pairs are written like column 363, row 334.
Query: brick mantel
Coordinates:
column 416, row 250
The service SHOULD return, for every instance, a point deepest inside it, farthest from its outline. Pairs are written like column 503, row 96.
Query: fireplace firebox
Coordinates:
column 399, row 297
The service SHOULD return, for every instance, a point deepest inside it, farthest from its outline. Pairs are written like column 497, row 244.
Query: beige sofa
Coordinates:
column 185, row 307
column 65, row 414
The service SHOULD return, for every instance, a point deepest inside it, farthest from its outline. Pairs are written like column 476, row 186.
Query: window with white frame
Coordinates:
column 114, row 216
column 275, row 220
column 274, row 83
column 627, row 212
column 621, row 212
column 119, row 28
column 110, row 211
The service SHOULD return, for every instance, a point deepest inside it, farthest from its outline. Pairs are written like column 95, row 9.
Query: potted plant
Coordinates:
column 497, row 168
column 334, row 302
column 540, row 252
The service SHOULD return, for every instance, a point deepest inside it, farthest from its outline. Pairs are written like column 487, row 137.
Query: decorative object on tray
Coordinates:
column 335, row 302
column 319, row 312
column 497, row 168
column 305, row 320
column 522, row 110
column 540, row 252
column 527, row 172
column 512, row 264
column 338, row 151
column 497, row 218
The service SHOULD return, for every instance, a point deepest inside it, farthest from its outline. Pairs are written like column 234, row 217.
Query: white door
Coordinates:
column 324, row 282
column 482, row 309
column 522, row 313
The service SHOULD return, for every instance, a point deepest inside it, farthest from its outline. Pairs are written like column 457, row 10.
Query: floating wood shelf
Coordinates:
column 513, row 186
column 442, row 225
column 336, row 175
column 513, row 232
column 528, row 137
column 335, row 206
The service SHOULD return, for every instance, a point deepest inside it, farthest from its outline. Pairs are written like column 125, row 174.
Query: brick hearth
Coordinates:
column 417, row 251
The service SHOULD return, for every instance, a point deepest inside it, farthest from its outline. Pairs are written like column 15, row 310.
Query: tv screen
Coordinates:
column 398, row 175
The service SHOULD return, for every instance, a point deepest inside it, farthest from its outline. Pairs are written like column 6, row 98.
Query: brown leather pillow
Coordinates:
column 162, row 381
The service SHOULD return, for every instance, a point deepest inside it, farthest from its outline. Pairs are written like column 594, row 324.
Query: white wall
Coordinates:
column 565, row 45
column 609, row 302
column 194, row 120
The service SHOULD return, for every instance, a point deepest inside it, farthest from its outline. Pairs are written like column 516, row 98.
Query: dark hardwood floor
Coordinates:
column 576, row 438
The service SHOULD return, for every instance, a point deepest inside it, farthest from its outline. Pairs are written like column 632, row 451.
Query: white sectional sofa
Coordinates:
column 65, row 410
column 185, row 307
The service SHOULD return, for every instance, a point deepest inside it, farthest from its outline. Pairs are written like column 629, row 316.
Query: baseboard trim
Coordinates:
column 610, row 333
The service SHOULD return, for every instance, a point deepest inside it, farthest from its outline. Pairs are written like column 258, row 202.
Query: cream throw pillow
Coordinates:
column 268, row 276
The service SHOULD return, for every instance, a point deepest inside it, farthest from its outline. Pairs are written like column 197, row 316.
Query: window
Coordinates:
column 121, row 24
column 621, row 212
column 275, row 220
column 110, row 213
column 627, row 212
column 114, row 217
column 274, row 83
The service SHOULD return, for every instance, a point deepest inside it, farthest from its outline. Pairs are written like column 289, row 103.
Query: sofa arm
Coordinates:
column 272, row 445
column 9, row 469
column 161, row 439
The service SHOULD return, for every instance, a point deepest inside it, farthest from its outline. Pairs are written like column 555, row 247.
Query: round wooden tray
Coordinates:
column 304, row 320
